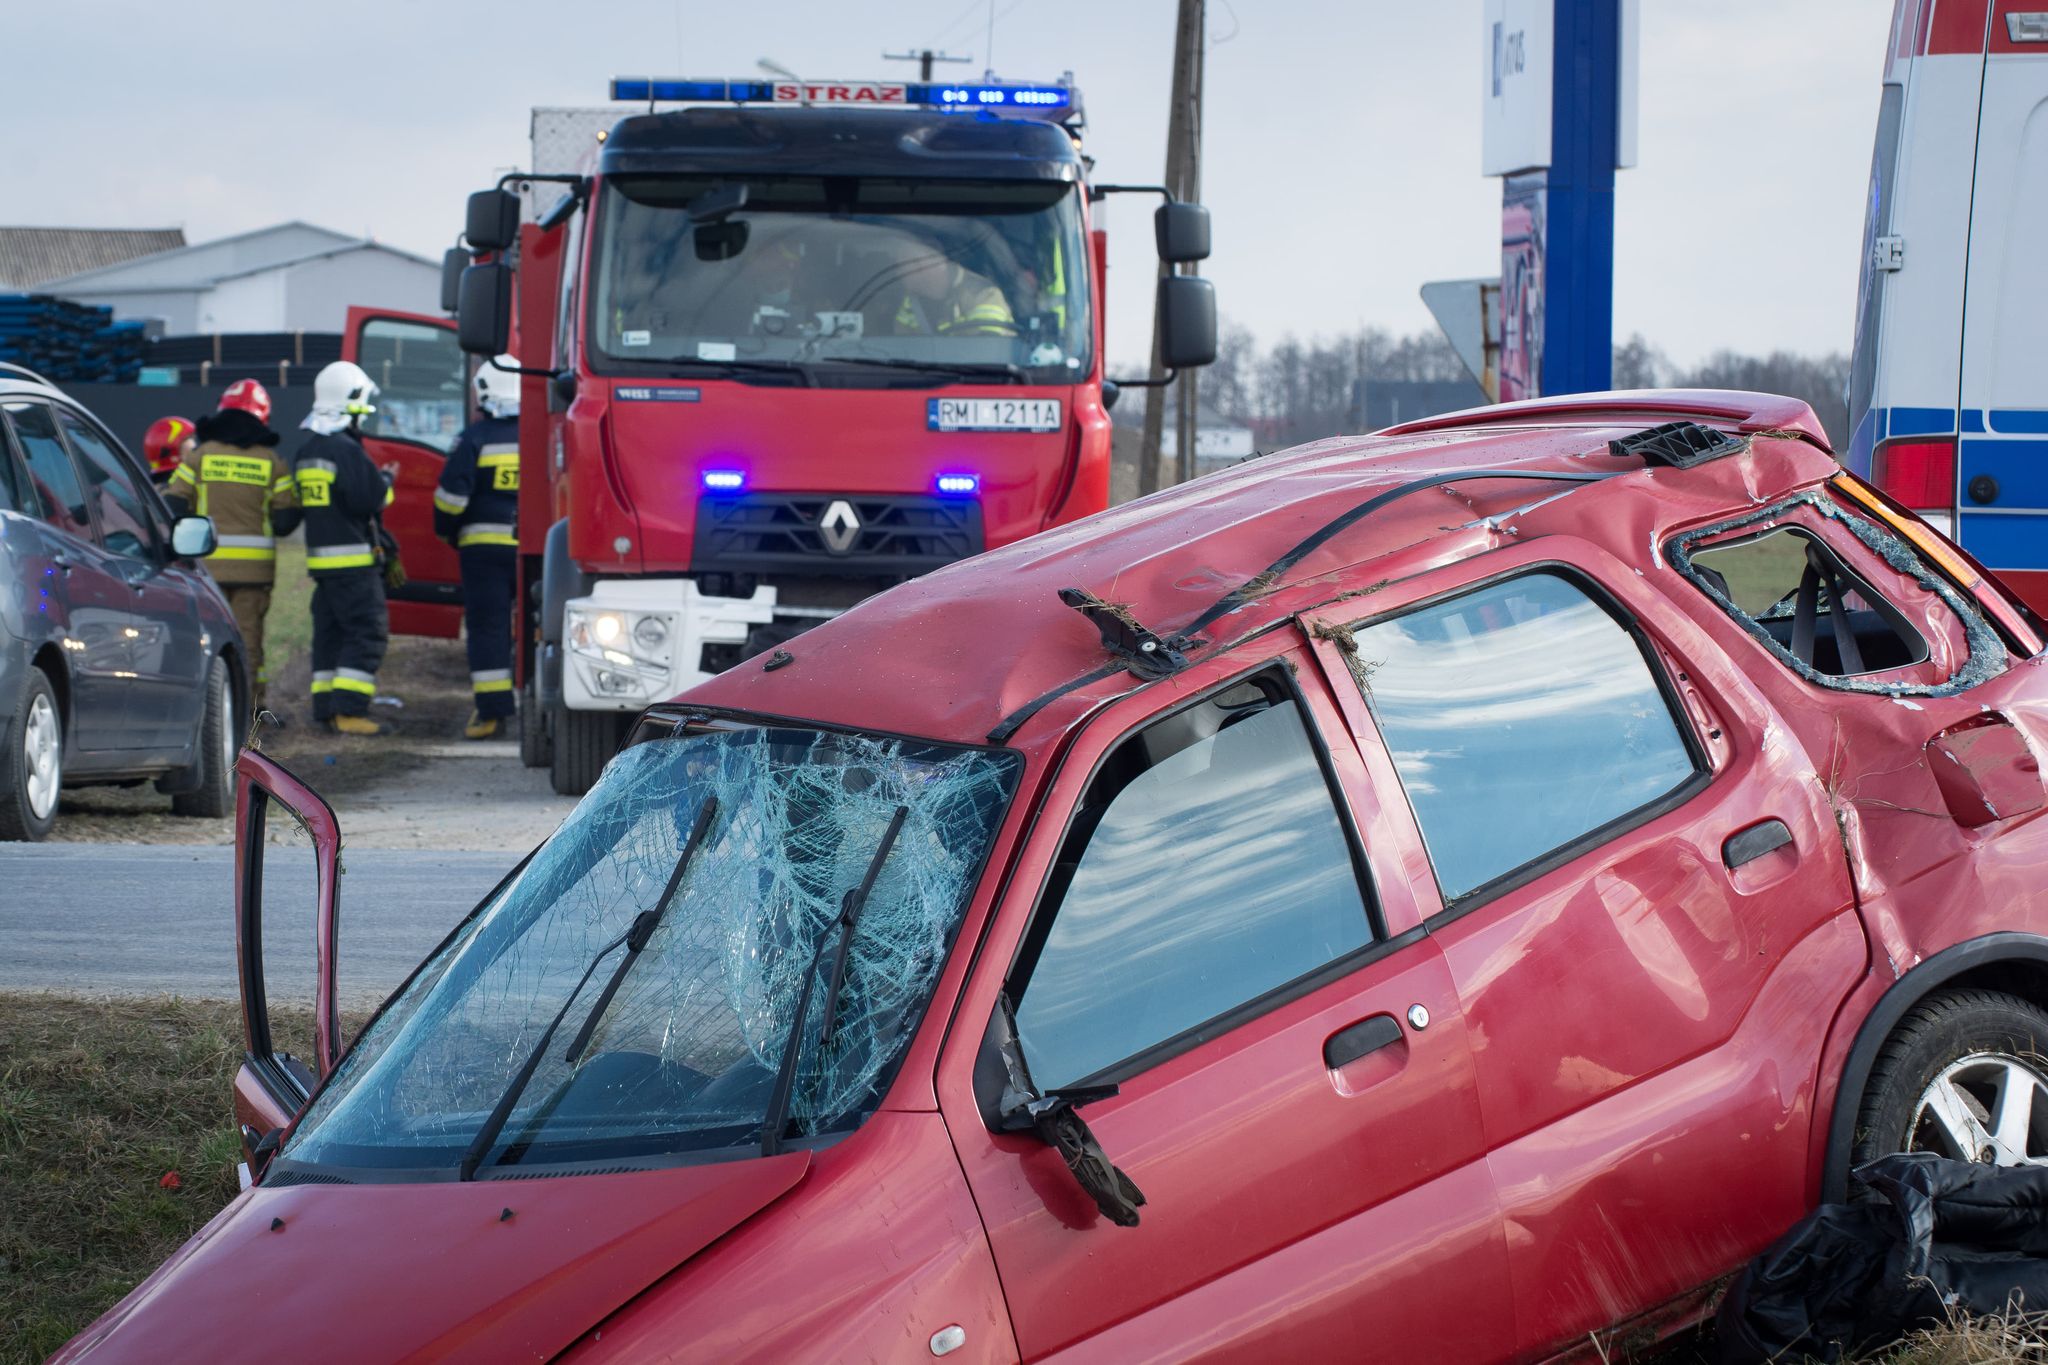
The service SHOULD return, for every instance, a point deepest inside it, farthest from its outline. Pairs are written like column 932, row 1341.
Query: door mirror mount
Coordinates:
column 492, row 223
column 1187, row 322
column 483, row 317
column 1182, row 230
column 454, row 261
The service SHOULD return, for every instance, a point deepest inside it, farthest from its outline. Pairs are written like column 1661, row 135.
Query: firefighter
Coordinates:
column 942, row 297
column 340, row 497
column 476, row 509
column 235, row 475
column 164, row 445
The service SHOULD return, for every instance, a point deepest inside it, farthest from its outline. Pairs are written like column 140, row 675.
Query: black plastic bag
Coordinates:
column 1948, row 1238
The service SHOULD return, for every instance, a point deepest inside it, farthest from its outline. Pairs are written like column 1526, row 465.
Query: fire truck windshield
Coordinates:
column 937, row 275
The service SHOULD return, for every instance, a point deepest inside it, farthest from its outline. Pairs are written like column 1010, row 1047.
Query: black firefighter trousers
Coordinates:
column 350, row 630
column 488, row 574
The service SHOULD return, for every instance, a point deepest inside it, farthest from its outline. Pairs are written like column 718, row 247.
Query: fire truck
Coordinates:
column 787, row 344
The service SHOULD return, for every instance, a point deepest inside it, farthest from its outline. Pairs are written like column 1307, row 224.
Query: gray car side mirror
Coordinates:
column 193, row 537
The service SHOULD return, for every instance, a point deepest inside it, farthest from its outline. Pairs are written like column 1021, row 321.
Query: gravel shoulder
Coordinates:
column 424, row 787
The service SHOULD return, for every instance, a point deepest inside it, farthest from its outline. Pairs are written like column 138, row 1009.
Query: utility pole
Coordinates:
column 1184, row 181
column 924, row 57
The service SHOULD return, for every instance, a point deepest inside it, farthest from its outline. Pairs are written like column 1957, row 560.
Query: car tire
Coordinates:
column 32, row 763
column 1937, row 1083
column 584, row 742
column 535, row 748
column 214, row 794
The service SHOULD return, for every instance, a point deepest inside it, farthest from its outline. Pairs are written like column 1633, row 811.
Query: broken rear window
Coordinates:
column 1843, row 602
column 681, row 1051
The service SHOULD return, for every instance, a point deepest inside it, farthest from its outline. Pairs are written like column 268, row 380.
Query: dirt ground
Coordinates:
column 423, row 787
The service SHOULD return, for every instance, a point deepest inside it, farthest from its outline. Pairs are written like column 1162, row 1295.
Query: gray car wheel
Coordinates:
column 32, row 763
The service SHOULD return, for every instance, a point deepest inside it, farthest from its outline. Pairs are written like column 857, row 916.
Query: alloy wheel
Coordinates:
column 43, row 756
column 1984, row 1107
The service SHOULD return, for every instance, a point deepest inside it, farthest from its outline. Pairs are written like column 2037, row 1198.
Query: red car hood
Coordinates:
column 427, row 1271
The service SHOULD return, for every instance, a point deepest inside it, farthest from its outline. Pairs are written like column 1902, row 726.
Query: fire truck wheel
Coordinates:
column 535, row 747
column 584, row 742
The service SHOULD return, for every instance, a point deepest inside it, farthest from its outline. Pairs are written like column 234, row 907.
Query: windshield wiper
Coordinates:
column 850, row 906
column 958, row 370
column 635, row 938
column 781, row 369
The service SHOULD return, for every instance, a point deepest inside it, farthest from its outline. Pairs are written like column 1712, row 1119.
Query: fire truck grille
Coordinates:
column 852, row 535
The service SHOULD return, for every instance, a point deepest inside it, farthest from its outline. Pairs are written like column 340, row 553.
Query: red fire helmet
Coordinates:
column 248, row 395
column 163, row 442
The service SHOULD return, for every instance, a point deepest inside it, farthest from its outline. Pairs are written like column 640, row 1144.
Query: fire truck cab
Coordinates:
column 784, row 349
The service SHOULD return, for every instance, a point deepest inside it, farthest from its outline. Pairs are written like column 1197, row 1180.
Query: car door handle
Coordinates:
column 1363, row 1038
column 61, row 562
column 1747, row 845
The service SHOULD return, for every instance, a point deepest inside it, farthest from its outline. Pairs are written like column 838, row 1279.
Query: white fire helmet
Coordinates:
column 497, row 391
column 341, row 394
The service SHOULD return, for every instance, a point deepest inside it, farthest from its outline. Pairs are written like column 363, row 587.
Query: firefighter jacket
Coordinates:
column 341, row 494
column 235, row 475
column 972, row 307
column 477, row 501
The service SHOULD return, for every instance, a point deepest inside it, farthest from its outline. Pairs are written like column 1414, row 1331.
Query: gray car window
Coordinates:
column 1522, row 717
column 1206, row 867
column 14, row 493
column 124, row 525
column 50, row 470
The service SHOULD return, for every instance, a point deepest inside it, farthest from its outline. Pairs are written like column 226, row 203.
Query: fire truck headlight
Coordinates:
column 650, row 632
column 607, row 628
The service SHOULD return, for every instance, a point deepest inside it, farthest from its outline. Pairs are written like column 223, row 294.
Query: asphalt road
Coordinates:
column 99, row 919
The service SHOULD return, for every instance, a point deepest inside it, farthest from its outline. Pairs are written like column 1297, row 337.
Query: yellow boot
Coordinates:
column 361, row 726
column 479, row 728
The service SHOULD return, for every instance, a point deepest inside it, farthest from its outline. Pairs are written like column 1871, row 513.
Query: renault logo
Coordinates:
column 839, row 526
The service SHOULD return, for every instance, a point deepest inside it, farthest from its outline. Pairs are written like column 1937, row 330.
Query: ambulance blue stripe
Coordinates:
column 1922, row 421
column 2021, row 468
column 1973, row 420
column 2007, row 542
column 2020, row 421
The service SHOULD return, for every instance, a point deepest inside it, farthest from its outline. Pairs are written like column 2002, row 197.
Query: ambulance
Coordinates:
column 1948, row 392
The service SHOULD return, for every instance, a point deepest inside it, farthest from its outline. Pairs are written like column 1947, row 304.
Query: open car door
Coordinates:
column 422, row 404
column 287, row 861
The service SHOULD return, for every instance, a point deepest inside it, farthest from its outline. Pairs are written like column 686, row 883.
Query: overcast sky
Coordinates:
column 1342, row 150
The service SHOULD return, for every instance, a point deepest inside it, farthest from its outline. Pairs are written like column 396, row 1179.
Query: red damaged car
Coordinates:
column 1430, row 896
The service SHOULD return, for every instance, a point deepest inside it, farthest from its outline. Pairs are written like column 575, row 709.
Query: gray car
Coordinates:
column 119, row 659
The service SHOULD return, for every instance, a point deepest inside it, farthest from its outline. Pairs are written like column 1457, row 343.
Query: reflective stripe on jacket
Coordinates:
column 241, row 488
column 477, row 499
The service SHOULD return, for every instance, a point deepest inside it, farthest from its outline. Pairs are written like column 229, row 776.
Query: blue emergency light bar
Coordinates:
column 1038, row 99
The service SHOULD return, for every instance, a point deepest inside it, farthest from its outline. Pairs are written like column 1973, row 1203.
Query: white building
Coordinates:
column 293, row 277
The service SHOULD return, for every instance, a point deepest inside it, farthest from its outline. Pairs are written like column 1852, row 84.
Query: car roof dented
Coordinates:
column 960, row 653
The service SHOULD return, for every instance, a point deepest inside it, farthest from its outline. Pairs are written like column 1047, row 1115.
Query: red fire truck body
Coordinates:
column 781, row 355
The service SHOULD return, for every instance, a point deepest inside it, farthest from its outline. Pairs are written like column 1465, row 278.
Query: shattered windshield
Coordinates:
column 814, row 270
column 684, row 1056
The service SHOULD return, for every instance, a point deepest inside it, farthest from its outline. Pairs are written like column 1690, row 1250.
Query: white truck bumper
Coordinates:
column 636, row 641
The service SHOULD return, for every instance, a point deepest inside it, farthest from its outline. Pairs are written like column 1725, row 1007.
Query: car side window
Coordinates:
column 59, row 495
column 1522, row 718
column 14, row 487
column 1205, row 868
column 124, row 522
column 1841, row 600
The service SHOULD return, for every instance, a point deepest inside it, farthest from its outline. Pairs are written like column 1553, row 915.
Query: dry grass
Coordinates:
column 2010, row 1338
column 99, row 1103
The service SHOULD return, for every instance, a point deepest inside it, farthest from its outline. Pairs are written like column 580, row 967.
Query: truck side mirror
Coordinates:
column 454, row 261
column 1187, row 322
column 483, row 319
column 493, row 222
column 1183, row 232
